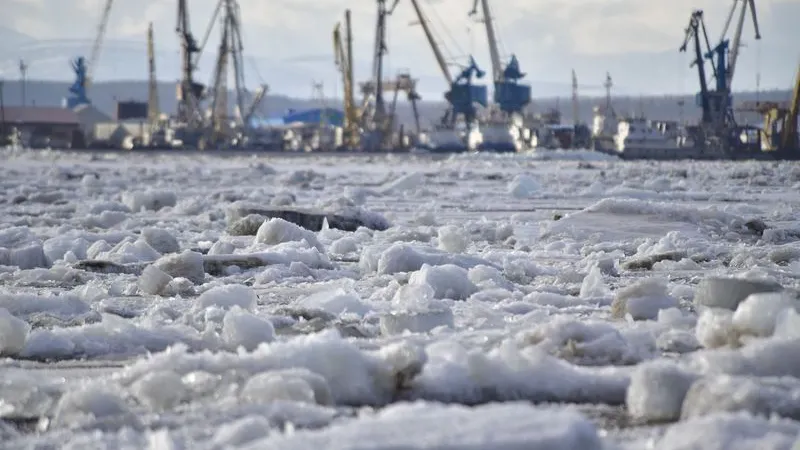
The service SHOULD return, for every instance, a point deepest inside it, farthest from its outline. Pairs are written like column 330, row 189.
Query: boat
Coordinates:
column 504, row 137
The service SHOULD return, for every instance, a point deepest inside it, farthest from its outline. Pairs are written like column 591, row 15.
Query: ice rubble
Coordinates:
column 502, row 427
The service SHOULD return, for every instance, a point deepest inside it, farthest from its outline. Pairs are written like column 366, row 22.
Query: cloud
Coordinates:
column 291, row 39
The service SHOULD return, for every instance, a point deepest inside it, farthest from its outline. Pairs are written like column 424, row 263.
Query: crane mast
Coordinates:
column 152, row 85
column 735, row 45
column 437, row 52
column 494, row 53
column 189, row 92
column 344, row 62
column 462, row 94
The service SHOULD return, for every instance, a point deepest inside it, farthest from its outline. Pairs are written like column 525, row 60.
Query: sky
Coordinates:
column 288, row 42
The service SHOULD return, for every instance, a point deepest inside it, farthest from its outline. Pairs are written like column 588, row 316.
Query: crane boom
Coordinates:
column 437, row 52
column 737, row 36
column 344, row 62
column 790, row 138
column 152, row 99
column 494, row 53
column 98, row 40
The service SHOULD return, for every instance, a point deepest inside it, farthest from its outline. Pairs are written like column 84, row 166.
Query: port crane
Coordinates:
column 83, row 68
column 343, row 54
column 462, row 95
column 510, row 96
column 718, row 121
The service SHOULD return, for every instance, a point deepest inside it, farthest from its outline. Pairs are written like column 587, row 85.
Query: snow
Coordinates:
column 546, row 300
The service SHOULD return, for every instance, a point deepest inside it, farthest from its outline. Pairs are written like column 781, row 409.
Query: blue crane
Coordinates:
column 510, row 95
column 81, row 68
column 717, row 104
column 462, row 95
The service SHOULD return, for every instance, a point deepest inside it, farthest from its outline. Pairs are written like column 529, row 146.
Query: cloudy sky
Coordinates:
column 288, row 42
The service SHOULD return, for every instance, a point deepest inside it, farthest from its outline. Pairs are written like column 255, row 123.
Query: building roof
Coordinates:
column 44, row 115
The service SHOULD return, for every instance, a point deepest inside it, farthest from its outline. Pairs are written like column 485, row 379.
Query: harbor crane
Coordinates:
column 718, row 118
column 462, row 95
column 509, row 94
column 190, row 93
column 343, row 53
column 375, row 119
column 83, row 69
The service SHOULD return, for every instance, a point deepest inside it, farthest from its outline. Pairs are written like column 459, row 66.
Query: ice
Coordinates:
column 715, row 328
column 161, row 240
column 152, row 200
column 452, row 239
column 759, row 396
column 160, row 390
column 408, row 426
column 344, row 245
column 240, row 432
column 408, row 182
column 227, row 297
column 523, row 186
column 187, row 264
column 408, row 258
column 657, row 391
column 758, row 313
column 153, row 280
column 593, row 284
column 93, row 403
column 276, row 231
column 643, row 300
column 731, row 432
column 339, row 301
column 447, row 281
column 150, row 301
column 243, row 329
column 13, row 332
column 719, row 292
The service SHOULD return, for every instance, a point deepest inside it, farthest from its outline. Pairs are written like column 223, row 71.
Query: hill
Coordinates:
column 105, row 94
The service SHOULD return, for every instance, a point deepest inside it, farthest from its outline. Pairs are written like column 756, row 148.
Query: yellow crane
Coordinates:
column 780, row 122
column 343, row 52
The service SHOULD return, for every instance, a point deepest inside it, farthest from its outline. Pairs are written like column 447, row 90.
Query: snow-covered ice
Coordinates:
column 557, row 300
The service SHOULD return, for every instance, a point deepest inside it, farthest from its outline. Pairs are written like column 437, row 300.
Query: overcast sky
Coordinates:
column 288, row 42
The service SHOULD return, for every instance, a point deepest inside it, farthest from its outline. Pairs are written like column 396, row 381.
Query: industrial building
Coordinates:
column 41, row 127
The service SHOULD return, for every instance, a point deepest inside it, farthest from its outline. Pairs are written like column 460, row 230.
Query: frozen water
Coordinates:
column 625, row 305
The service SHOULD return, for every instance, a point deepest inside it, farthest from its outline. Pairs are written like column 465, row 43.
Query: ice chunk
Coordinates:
column 153, row 280
column 643, row 300
column 187, row 265
column 761, row 396
column 344, row 245
column 453, row 239
column 13, row 332
column 715, row 328
column 335, row 302
column 91, row 403
column 422, row 321
column 160, row 390
column 277, row 230
column 222, row 248
column 240, row 432
column 447, row 281
column 161, row 240
column 730, row 432
column 408, row 258
column 407, row 182
column 227, row 297
column 657, row 391
column 758, row 313
column 152, row 200
column 720, row 292
column 273, row 386
column 417, row 426
column 524, row 186
column 243, row 329
column 593, row 284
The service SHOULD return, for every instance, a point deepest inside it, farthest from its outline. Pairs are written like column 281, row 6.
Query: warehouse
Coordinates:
column 41, row 127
